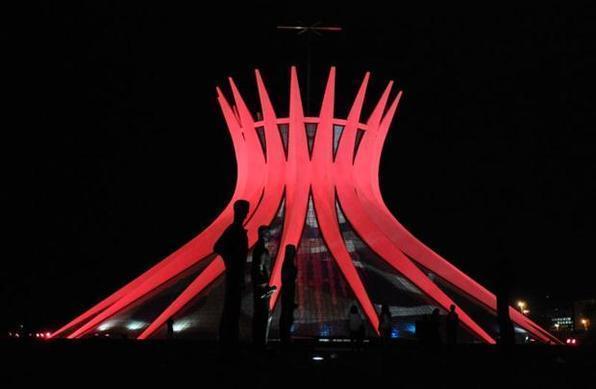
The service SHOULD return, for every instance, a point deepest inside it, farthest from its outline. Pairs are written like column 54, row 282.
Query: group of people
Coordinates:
column 429, row 330
column 232, row 246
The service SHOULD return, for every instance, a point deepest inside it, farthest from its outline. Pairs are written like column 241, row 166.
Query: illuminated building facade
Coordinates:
column 315, row 181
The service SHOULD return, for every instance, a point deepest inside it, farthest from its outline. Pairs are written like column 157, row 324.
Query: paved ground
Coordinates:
column 178, row 364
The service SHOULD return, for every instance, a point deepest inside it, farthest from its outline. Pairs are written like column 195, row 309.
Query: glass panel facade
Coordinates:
column 262, row 140
column 337, row 131
column 359, row 135
column 283, row 132
column 385, row 285
column 323, row 297
column 311, row 130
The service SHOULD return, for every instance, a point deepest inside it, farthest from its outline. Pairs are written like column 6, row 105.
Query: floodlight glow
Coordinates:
column 105, row 326
column 180, row 326
column 136, row 325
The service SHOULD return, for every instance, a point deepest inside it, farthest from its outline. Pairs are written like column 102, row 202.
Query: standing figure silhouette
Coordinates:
column 289, row 271
column 451, row 325
column 232, row 246
column 261, row 291
column 385, row 323
column 356, row 327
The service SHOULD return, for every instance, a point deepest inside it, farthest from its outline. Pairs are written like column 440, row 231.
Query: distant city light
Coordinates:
column 563, row 323
column 317, row 358
column 522, row 305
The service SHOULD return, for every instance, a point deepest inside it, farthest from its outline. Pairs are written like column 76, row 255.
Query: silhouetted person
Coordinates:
column 289, row 271
column 434, row 336
column 170, row 324
column 261, row 289
column 451, row 324
column 233, row 248
column 385, row 323
column 356, row 326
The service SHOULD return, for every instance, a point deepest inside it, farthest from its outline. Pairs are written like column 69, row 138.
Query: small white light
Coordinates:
column 181, row 325
column 135, row 325
column 317, row 358
column 105, row 326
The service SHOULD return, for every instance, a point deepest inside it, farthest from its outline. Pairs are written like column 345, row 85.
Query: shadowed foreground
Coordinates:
column 172, row 363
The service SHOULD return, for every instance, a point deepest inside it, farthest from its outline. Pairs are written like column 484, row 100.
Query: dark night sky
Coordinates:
column 121, row 154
